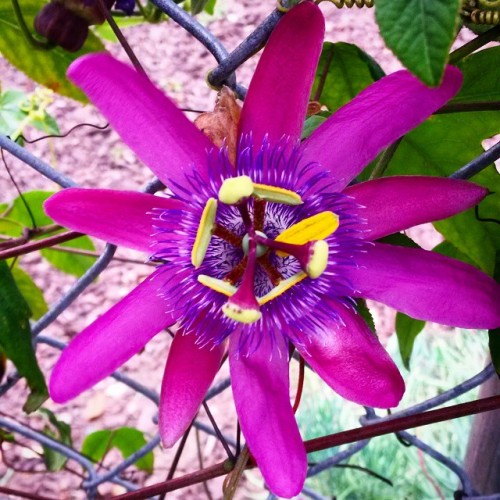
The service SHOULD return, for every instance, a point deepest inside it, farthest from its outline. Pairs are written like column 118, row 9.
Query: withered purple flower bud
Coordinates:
column 61, row 26
column 90, row 10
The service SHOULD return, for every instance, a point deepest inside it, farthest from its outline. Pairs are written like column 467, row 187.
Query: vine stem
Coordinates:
column 121, row 38
column 384, row 160
column 36, row 44
column 39, row 244
column 330, row 441
column 473, row 45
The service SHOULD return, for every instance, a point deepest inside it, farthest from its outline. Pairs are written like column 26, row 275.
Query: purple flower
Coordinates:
column 126, row 6
column 272, row 250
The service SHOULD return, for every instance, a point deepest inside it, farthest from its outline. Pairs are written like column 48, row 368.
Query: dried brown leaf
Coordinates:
column 221, row 124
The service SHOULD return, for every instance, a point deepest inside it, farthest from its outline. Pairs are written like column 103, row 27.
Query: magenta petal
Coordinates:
column 261, row 394
column 277, row 98
column 158, row 132
column 397, row 203
column 354, row 135
column 188, row 374
column 119, row 217
column 112, row 339
column 427, row 286
column 351, row 360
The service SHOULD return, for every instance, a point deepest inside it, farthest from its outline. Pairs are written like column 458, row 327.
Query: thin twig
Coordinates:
column 200, row 463
column 218, row 432
column 39, row 244
column 177, row 456
column 300, row 384
column 461, row 107
column 233, row 478
column 121, row 38
column 434, row 484
column 26, row 206
column 366, row 471
column 89, row 253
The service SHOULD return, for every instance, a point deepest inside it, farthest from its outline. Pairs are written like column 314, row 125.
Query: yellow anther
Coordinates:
column 242, row 315
column 282, row 287
column 317, row 227
column 235, row 189
column 319, row 259
column 204, row 233
column 276, row 194
column 217, row 285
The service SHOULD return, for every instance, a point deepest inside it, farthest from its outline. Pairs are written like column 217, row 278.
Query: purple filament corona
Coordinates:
column 300, row 311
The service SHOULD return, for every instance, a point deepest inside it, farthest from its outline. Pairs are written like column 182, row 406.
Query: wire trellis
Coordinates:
column 418, row 414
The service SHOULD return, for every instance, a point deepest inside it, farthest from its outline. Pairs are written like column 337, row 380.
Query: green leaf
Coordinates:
column 10, row 227
column 210, row 7
column 494, row 335
column 494, row 345
column 126, row 439
column 47, row 67
column 20, row 214
column 481, row 77
column 407, row 330
column 399, row 239
column 311, row 124
column 106, row 32
column 420, row 33
column 6, row 436
column 15, row 338
column 31, row 293
column 363, row 310
column 11, row 115
column 61, row 431
column 440, row 146
column 46, row 124
column 344, row 70
column 69, row 262
column 197, row 6
column 448, row 249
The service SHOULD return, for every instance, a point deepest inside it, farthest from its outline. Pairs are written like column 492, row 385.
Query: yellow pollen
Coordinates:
column 276, row 194
column 282, row 287
column 235, row 190
column 319, row 259
column 217, row 285
column 204, row 233
column 317, row 227
column 240, row 314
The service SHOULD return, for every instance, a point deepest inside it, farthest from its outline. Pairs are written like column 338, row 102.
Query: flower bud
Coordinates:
column 89, row 10
column 61, row 27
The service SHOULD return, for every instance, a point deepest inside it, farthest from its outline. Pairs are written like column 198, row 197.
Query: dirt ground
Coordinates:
column 179, row 64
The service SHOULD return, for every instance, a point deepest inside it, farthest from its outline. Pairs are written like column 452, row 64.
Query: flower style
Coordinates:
column 269, row 251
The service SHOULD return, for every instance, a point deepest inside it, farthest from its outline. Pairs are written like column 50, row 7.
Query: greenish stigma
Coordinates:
column 261, row 249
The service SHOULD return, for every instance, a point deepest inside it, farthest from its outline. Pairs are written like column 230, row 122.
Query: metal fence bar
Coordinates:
column 108, row 476
column 442, row 459
column 445, row 397
column 34, row 162
column 337, row 458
